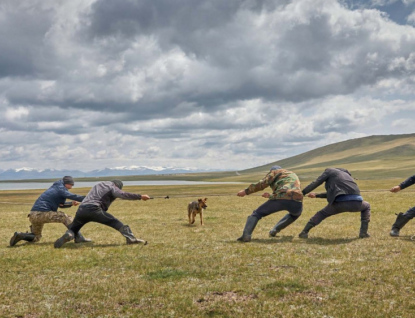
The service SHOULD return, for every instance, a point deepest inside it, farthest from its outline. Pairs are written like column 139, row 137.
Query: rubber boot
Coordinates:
column 19, row 236
column 250, row 225
column 67, row 237
column 282, row 224
column 128, row 234
column 79, row 238
column 400, row 222
column 364, row 225
column 304, row 232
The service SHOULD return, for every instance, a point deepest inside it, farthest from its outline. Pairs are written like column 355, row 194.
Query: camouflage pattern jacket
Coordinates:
column 284, row 184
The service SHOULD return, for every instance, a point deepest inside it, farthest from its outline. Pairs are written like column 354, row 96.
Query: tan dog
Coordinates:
column 194, row 208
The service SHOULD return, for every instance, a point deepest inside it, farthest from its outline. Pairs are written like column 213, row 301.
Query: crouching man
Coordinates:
column 286, row 196
column 343, row 195
column 94, row 209
column 45, row 210
column 402, row 218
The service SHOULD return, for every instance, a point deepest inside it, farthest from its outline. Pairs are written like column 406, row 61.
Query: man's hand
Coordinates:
column 266, row 195
column 395, row 189
column 145, row 197
column 75, row 203
column 241, row 193
column 311, row 195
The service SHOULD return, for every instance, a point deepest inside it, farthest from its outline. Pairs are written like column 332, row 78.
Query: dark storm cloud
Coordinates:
column 22, row 28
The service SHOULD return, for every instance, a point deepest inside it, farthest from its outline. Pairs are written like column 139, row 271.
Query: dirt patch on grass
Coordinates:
column 229, row 297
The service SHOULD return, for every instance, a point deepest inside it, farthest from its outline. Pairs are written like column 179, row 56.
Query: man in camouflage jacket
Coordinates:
column 45, row 210
column 286, row 196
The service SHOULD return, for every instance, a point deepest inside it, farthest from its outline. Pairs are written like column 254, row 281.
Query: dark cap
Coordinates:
column 118, row 183
column 275, row 168
column 68, row 180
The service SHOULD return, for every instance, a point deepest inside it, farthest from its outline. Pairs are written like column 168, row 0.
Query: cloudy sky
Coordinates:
column 88, row 84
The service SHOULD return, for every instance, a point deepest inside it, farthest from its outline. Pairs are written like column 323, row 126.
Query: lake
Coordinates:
column 44, row 185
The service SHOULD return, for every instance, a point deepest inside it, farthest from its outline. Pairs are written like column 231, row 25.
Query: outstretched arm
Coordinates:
column 319, row 181
column 408, row 182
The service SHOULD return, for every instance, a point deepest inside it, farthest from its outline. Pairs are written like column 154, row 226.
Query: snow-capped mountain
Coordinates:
column 30, row 173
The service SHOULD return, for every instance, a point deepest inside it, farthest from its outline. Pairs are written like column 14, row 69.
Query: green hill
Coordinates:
column 374, row 157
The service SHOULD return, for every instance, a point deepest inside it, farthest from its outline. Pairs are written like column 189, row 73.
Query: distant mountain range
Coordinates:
column 30, row 173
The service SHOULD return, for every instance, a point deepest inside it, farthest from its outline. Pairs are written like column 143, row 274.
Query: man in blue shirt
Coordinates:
column 343, row 195
column 45, row 210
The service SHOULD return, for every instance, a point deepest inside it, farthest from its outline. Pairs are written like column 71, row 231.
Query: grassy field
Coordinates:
column 195, row 271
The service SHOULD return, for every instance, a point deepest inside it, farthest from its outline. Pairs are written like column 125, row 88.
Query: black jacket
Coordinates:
column 338, row 181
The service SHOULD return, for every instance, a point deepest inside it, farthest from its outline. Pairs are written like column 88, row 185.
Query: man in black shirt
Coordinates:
column 94, row 209
column 343, row 195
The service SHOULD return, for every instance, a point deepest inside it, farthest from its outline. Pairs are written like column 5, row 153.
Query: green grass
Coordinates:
column 195, row 271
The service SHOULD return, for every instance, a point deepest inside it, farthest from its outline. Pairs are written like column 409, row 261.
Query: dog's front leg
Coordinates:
column 201, row 217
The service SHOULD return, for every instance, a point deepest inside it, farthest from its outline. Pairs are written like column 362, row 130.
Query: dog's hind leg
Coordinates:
column 189, row 214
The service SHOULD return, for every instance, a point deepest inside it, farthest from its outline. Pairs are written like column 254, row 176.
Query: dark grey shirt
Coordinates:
column 338, row 181
column 104, row 193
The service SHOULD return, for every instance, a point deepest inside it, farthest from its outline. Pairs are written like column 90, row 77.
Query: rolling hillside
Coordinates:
column 374, row 157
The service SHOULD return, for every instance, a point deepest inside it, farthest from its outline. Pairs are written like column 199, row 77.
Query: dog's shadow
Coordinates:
column 192, row 225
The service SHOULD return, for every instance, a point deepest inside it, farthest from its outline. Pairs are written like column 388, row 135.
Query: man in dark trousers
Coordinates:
column 94, row 209
column 286, row 196
column 343, row 195
column 402, row 218
column 45, row 210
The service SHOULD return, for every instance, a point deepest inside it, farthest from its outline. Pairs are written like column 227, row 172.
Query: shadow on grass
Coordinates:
column 285, row 239
column 31, row 244
column 274, row 240
column 271, row 240
column 326, row 241
column 405, row 238
column 91, row 244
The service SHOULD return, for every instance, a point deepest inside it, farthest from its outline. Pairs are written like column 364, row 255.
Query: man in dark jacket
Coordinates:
column 402, row 218
column 286, row 196
column 45, row 210
column 343, row 195
column 94, row 209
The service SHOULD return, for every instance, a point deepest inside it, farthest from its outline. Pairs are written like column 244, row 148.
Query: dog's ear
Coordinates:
column 205, row 199
column 200, row 200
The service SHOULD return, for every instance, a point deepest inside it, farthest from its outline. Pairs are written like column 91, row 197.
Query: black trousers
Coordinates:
column 93, row 213
column 271, row 206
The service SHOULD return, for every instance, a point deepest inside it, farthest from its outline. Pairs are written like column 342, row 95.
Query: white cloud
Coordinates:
column 232, row 85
